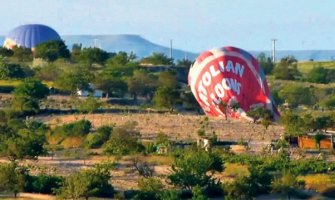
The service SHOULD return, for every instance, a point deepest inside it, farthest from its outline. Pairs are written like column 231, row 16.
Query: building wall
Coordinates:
column 308, row 142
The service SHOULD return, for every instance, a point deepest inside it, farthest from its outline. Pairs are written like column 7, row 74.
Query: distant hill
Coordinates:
column 143, row 47
column 128, row 43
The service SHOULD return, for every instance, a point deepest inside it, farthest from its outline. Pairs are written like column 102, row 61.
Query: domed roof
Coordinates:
column 30, row 35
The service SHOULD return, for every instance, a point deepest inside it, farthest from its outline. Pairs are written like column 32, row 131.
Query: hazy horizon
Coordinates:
column 192, row 25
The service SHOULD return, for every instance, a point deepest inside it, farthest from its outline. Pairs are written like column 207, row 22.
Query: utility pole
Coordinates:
column 274, row 49
column 171, row 49
column 95, row 43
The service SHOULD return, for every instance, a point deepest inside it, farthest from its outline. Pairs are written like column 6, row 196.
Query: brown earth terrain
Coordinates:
column 179, row 127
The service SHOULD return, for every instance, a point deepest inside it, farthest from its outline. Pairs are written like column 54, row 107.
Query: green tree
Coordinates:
column 6, row 52
column 49, row 72
column 24, row 145
column 22, row 139
column 93, row 55
column 81, row 127
column 75, row 79
column 258, row 182
column 170, row 195
column 328, row 102
column 165, row 98
column 76, row 186
column 9, row 70
column 293, row 123
column 184, row 63
column 87, row 183
column 191, row 168
column 89, row 105
column 162, row 139
column 75, row 51
column 188, row 100
column 27, row 95
column 286, row 69
column 167, row 79
column 237, row 189
column 121, row 65
column 111, row 85
column 124, row 140
column 97, row 139
column 42, row 183
column 12, row 178
column 52, row 50
column 121, row 59
column 22, row 54
column 265, row 63
column 197, row 193
column 322, row 122
column 256, row 113
column 157, row 59
column 285, row 185
column 296, row 95
column 143, row 84
column 261, row 113
column 149, row 188
column 318, row 75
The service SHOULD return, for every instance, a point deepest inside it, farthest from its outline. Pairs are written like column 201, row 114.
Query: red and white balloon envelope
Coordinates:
column 222, row 78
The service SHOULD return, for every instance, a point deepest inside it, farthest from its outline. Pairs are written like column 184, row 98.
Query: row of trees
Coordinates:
column 193, row 175
column 287, row 69
column 296, row 124
column 83, row 184
column 120, row 74
column 52, row 50
column 116, row 75
column 161, row 90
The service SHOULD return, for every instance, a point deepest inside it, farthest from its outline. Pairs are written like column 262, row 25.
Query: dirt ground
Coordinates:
column 176, row 126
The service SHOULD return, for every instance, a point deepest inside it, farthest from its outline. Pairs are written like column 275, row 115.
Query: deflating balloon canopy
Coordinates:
column 228, row 81
column 30, row 36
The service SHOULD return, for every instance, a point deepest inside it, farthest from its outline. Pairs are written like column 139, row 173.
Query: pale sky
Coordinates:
column 193, row 25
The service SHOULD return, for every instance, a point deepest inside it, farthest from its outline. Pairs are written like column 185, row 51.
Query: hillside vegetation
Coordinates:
column 305, row 67
column 89, row 123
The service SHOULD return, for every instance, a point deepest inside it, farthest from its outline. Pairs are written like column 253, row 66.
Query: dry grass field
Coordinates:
column 179, row 127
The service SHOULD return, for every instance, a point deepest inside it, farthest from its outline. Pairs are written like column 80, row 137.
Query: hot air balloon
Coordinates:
column 228, row 81
column 29, row 36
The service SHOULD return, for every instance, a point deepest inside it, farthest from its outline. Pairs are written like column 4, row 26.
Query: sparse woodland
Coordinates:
column 143, row 139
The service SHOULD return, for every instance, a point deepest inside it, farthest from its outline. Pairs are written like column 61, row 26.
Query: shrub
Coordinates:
column 317, row 182
column 89, row 105
column 191, row 168
column 96, row 140
column 150, row 188
column 124, row 140
column 11, row 178
column 81, row 127
column 87, row 183
column 42, row 183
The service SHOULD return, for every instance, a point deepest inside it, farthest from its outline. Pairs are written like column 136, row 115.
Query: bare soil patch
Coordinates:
column 176, row 126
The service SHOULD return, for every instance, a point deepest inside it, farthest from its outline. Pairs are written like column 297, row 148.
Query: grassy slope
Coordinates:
column 305, row 67
column 15, row 83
